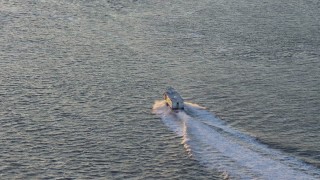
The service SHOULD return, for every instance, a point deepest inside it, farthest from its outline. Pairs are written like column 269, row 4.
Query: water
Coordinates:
column 80, row 85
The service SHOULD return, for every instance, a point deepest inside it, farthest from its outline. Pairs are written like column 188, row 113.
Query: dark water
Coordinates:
column 79, row 80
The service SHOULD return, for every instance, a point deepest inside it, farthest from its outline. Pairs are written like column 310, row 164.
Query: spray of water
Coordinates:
column 218, row 146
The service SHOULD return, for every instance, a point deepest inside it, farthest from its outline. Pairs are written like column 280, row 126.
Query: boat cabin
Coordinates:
column 173, row 99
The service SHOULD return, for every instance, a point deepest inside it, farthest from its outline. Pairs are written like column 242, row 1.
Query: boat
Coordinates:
column 173, row 99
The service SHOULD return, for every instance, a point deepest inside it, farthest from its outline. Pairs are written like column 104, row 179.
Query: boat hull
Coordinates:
column 173, row 99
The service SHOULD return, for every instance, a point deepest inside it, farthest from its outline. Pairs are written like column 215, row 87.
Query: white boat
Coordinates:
column 173, row 99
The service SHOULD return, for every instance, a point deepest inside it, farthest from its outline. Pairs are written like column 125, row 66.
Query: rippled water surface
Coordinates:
column 80, row 84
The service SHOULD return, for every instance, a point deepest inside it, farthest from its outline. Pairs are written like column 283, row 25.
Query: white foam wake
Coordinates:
column 218, row 146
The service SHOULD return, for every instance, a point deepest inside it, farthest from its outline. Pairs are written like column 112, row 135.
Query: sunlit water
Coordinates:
column 80, row 84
